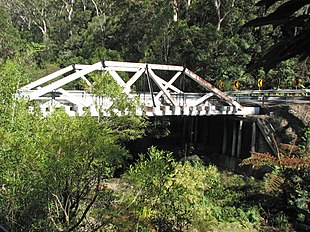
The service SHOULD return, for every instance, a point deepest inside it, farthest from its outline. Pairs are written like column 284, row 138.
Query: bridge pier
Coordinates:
column 223, row 140
column 234, row 139
column 239, row 139
column 224, row 146
column 253, row 137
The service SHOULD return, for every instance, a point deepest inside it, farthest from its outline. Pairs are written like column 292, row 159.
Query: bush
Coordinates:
column 171, row 196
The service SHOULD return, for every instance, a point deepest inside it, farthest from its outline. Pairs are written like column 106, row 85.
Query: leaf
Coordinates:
column 289, row 8
column 266, row 3
column 295, row 38
column 273, row 182
column 299, row 21
column 280, row 16
column 265, row 21
column 287, row 48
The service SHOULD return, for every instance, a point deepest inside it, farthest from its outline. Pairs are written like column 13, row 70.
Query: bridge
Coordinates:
column 164, row 96
column 168, row 90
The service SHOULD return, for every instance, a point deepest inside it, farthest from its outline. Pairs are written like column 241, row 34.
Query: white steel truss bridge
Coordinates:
column 163, row 97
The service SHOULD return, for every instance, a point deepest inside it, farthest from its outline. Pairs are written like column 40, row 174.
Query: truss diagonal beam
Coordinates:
column 86, row 81
column 157, row 81
column 202, row 99
column 71, row 98
column 65, row 80
column 210, row 87
column 169, row 85
column 133, row 79
column 48, row 78
column 117, row 78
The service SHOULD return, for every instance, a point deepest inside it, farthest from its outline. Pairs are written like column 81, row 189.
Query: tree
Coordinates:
column 52, row 170
column 287, row 184
column 33, row 13
column 293, row 19
column 9, row 36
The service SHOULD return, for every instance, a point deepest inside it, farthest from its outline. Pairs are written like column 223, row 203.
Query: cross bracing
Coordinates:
column 167, row 99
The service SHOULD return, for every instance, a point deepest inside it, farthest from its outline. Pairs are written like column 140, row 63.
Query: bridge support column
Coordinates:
column 234, row 139
column 80, row 110
column 239, row 139
column 253, row 139
column 224, row 147
column 177, row 110
column 205, row 131
column 196, row 128
column 192, row 130
column 184, row 126
column 157, row 111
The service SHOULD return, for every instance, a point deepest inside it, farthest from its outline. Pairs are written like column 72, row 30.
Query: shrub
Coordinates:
column 171, row 196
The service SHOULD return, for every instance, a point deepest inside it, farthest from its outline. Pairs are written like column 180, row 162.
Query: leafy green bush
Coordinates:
column 285, row 191
column 172, row 196
column 52, row 169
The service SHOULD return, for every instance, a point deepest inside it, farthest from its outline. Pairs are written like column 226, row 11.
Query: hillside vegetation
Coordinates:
column 63, row 173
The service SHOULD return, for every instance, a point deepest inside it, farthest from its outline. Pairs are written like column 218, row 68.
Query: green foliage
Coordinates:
column 282, row 77
column 287, row 183
column 273, row 182
column 297, row 193
column 306, row 146
column 9, row 36
column 119, row 103
column 293, row 18
column 280, row 220
column 166, row 202
column 171, row 196
column 53, row 169
column 12, row 76
column 206, row 39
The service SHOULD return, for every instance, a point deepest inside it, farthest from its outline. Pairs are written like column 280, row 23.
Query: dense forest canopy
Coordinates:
column 205, row 36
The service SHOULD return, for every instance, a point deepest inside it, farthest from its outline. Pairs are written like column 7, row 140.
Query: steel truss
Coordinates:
column 170, row 100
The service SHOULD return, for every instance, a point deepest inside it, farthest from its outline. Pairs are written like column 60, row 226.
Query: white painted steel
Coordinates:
column 133, row 79
column 48, row 78
column 169, row 101
column 169, row 85
column 210, row 87
column 117, row 78
column 65, row 80
column 160, row 85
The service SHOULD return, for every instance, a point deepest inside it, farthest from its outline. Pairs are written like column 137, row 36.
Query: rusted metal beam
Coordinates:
column 213, row 89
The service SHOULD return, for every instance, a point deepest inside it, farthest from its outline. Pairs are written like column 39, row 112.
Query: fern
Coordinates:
column 257, row 160
column 289, row 157
column 273, row 182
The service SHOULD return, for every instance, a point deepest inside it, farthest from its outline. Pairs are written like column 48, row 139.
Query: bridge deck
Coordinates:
column 170, row 100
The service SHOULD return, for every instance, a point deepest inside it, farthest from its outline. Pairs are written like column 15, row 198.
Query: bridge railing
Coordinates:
column 271, row 97
column 272, row 92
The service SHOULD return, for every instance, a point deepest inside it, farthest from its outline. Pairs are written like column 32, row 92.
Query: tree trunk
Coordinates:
column 175, row 10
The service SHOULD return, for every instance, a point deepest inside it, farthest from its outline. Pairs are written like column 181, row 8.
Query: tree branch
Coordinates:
column 90, row 204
